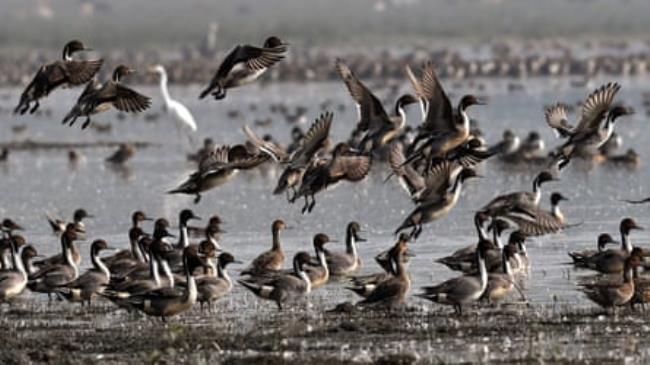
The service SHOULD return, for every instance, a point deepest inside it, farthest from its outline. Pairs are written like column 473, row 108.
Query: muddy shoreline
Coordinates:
column 33, row 331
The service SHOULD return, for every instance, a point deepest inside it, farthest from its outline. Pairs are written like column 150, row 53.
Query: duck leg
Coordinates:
column 313, row 203
column 197, row 198
column 36, row 105
column 86, row 123
column 306, row 206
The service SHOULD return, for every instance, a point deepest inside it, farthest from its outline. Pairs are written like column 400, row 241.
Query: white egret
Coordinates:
column 182, row 115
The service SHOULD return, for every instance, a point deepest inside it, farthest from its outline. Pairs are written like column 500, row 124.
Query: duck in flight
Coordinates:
column 243, row 65
column 63, row 73
column 97, row 98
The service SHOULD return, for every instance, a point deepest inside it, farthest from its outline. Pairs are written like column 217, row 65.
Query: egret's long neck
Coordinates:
column 163, row 88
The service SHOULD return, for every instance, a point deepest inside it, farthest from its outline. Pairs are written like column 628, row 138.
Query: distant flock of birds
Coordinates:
column 432, row 164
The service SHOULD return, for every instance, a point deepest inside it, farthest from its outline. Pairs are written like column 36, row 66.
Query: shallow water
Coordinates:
column 36, row 182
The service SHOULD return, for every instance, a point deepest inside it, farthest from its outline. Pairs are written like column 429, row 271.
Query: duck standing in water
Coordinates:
column 65, row 73
column 243, row 65
column 97, row 98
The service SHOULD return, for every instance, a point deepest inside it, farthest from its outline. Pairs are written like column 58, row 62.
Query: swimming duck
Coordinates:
column 461, row 290
column 613, row 260
column 65, row 73
column 271, row 260
column 58, row 225
column 243, row 65
column 50, row 277
column 217, row 284
column 612, row 295
column 364, row 285
column 287, row 287
column 166, row 303
column 86, row 286
column 581, row 258
column 342, row 264
column 97, row 98
column 393, row 291
column 319, row 274
column 500, row 284
column 13, row 282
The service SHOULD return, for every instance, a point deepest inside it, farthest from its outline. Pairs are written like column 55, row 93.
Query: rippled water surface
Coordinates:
column 36, row 182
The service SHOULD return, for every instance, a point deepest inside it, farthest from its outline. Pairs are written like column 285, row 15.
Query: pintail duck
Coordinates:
column 27, row 255
column 13, row 282
column 342, row 264
column 166, row 303
column 243, row 65
column 612, row 295
column 462, row 290
column 443, row 187
column 217, row 169
column 319, row 274
column 443, row 128
column 86, row 286
column 613, row 260
column 630, row 158
column 127, row 261
column 465, row 259
column 285, row 287
column 309, row 146
column 50, row 277
column 58, row 225
column 502, row 283
column 505, row 203
column 66, row 73
column 132, row 284
column 135, row 233
column 508, row 146
column 379, row 128
column 582, row 258
column 215, row 283
column 97, row 98
column 535, row 221
column 123, row 153
column 393, row 291
column 467, row 252
column 342, row 165
column 271, row 260
column 590, row 133
column 364, row 285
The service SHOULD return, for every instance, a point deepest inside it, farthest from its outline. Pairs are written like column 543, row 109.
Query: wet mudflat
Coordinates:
column 560, row 325
column 59, row 333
